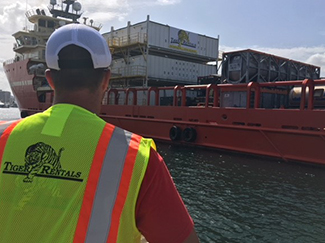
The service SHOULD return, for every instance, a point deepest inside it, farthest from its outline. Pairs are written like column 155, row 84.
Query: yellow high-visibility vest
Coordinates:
column 67, row 176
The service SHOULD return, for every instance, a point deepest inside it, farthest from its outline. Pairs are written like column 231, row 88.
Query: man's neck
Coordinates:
column 84, row 99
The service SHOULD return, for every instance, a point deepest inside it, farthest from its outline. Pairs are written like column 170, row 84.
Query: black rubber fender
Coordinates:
column 175, row 133
column 23, row 114
column 189, row 134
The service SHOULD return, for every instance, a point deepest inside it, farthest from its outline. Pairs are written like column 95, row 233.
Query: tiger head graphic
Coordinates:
column 38, row 155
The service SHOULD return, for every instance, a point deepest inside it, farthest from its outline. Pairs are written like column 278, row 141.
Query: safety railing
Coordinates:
column 127, row 40
column 212, row 93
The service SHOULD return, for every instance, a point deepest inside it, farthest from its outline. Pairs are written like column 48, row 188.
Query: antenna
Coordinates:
column 26, row 12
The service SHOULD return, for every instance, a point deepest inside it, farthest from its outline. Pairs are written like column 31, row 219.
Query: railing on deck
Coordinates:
column 179, row 93
column 21, row 58
column 127, row 40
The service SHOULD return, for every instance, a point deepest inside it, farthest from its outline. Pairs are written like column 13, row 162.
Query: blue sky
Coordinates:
column 276, row 24
column 288, row 28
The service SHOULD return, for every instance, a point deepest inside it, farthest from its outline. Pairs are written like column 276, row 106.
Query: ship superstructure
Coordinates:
column 25, row 71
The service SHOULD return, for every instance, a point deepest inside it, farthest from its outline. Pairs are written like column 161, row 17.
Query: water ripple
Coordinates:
column 236, row 198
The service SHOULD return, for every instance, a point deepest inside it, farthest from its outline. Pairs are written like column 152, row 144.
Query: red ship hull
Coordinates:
column 279, row 134
column 22, row 86
column 290, row 134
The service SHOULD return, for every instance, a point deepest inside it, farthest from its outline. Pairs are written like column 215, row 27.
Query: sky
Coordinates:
column 293, row 29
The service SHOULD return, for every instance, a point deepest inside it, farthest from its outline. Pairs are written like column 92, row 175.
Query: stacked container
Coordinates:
column 153, row 54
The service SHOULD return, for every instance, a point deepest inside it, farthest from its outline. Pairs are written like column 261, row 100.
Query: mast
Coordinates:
column 71, row 11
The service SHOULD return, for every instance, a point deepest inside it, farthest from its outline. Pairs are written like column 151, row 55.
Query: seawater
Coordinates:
column 9, row 113
column 240, row 198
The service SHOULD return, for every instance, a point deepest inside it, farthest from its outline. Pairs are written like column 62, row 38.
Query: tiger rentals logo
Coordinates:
column 183, row 40
column 41, row 160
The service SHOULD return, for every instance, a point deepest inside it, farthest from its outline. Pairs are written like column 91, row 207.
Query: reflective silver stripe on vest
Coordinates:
column 4, row 126
column 108, row 185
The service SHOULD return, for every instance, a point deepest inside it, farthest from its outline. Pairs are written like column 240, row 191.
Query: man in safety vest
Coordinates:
column 68, row 176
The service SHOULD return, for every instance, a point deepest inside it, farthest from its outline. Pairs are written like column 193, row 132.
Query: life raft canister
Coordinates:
column 175, row 133
column 189, row 134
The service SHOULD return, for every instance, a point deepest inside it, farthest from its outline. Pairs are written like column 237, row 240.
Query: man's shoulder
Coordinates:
column 6, row 124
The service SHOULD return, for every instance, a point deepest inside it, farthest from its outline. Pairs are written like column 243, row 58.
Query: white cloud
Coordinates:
column 106, row 10
column 318, row 59
column 168, row 2
column 12, row 17
column 119, row 9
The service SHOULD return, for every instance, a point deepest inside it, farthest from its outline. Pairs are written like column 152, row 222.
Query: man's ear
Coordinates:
column 107, row 76
column 49, row 78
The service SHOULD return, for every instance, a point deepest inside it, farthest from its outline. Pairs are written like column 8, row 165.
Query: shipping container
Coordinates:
column 172, row 39
column 252, row 66
column 162, row 68
column 161, row 53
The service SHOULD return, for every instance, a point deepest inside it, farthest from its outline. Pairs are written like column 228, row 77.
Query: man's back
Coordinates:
column 47, row 160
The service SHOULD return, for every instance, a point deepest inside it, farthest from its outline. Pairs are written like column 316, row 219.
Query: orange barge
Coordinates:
column 294, row 133
column 289, row 133
column 253, row 111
